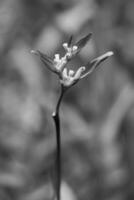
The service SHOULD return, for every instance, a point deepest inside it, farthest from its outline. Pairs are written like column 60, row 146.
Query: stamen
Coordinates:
column 65, row 73
column 71, row 73
column 110, row 53
column 65, row 45
column 75, row 48
column 79, row 73
column 83, row 68
column 34, row 52
column 57, row 57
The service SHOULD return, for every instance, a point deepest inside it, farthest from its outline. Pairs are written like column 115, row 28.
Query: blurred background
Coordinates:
column 97, row 115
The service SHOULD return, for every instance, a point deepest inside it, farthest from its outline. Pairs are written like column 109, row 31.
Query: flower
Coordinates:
column 58, row 64
column 72, row 50
column 55, row 65
column 69, row 77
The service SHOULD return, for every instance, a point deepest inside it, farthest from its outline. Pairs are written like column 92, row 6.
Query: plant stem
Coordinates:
column 56, row 118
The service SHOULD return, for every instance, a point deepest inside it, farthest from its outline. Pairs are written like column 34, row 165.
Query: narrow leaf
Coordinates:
column 96, row 62
column 102, row 58
column 70, row 40
column 82, row 42
column 45, row 59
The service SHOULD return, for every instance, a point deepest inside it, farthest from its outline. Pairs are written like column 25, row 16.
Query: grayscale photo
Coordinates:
column 66, row 100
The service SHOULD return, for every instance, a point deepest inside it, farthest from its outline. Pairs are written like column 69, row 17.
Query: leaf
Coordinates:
column 96, row 62
column 102, row 58
column 70, row 40
column 47, row 61
column 82, row 42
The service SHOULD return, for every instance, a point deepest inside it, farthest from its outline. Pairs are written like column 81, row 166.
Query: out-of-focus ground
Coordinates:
column 97, row 115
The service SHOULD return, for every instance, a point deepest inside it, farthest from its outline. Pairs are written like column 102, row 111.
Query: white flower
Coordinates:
column 59, row 63
column 57, row 58
column 70, row 51
column 69, row 77
column 75, row 48
column 71, row 73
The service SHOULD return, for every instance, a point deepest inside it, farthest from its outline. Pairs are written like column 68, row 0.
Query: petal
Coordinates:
column 71, row 73
column 78, row 73
column 74, row 48
column 64, row 73
column 65, row 45
column 56, row 57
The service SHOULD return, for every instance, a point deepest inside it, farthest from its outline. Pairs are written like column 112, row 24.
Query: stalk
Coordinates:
column 56, row 118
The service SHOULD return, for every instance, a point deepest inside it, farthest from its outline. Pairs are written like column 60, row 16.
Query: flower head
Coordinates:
column 55, row 65
column 70, row 50
column 70, row 77
column 58, row 64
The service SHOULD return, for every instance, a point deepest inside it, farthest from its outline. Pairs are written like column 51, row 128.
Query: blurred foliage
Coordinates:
column 97, row 114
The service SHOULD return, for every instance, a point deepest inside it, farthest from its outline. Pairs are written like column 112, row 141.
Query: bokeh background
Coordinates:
column 97, row 114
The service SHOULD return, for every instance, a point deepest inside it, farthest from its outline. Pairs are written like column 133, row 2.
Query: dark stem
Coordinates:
column 56, row 118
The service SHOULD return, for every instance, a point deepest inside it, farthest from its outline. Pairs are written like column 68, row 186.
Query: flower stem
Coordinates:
column 56, row 118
